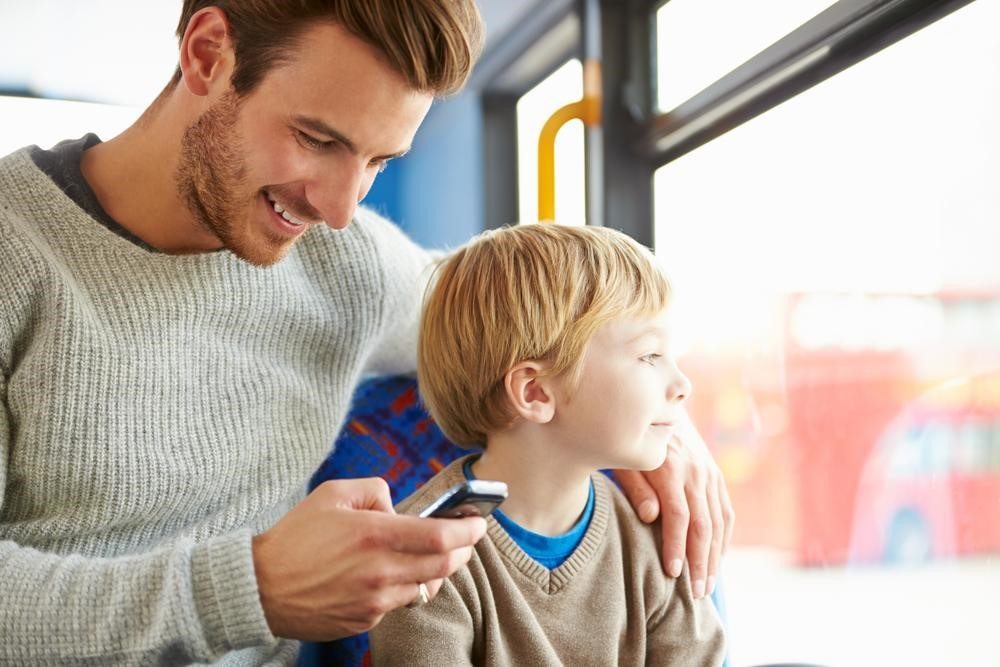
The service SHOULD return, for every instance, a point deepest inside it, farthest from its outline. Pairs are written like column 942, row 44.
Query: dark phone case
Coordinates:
column 476, row 497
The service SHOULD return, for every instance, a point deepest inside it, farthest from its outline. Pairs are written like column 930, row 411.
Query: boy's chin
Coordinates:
column 651, row 461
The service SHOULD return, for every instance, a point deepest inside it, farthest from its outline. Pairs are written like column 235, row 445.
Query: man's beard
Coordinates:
column 211, row 179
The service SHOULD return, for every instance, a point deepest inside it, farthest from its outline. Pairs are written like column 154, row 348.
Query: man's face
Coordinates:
column 302, row 149
column 629, row 399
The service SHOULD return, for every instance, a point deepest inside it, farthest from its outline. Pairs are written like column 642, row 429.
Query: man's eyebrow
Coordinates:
column 319, row 127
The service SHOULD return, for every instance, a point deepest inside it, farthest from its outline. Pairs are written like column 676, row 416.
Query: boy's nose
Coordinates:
column 679, row 387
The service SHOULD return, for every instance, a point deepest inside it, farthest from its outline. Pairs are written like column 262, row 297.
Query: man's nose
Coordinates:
column 336, row 193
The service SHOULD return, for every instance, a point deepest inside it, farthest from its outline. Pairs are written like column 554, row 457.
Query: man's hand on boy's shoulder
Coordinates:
column 689, row 493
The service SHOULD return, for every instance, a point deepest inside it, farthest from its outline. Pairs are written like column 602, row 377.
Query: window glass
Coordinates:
column 65, row 50
column 836, row 276
column 564, row 86
column 973, row 448
column 940, row 448
column 994, row 456
column 28, row 121
column 907, row 451
column 699, row 41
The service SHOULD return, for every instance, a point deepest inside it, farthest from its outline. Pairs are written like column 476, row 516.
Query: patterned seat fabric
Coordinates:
column 388, row 434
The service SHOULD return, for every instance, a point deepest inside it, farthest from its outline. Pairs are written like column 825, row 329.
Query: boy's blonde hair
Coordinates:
column 533, row 292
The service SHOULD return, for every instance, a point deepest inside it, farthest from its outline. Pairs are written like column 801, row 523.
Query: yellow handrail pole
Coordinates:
column 588, row 110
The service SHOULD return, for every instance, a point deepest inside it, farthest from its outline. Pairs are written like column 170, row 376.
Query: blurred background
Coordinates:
column 819, row 179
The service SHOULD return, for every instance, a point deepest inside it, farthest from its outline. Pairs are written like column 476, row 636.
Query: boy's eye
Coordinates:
column 380, row 165
column 650, row 358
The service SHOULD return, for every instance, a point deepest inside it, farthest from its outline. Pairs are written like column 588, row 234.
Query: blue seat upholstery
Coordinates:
column 388, row 434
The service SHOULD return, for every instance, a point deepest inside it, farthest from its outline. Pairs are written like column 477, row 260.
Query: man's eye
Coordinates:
column 650, row 358
column 380, row 165
column 312, row 142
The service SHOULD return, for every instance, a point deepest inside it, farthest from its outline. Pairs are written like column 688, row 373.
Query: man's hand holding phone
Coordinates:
column 342, row 558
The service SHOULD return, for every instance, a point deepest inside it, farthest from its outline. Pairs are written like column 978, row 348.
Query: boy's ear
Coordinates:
column 206, row 56
column 530, row 393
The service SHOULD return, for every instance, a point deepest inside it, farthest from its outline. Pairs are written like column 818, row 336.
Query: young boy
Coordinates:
column 549, row 347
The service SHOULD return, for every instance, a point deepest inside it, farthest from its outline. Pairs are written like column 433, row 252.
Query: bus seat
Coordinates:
column 388, row 434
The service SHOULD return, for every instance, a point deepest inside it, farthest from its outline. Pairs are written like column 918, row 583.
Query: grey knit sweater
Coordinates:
column 158, row 410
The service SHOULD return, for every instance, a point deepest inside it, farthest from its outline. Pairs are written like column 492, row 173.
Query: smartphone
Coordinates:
column 473, row 497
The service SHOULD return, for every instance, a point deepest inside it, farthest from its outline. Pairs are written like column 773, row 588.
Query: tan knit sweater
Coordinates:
column 608, row 604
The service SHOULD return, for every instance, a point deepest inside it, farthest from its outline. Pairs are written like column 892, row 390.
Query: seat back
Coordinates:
column 388, row 434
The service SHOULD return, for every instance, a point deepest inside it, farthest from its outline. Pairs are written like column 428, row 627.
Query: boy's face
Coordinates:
column 622, row 413
column 308, row 141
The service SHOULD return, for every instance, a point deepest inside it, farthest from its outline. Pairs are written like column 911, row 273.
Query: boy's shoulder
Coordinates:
column 639, row 545
column 637, row 533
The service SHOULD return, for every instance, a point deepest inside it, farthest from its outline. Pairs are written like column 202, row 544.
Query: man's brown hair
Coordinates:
column 432, row 43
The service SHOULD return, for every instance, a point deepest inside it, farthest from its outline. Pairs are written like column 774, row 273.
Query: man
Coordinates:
column 186, row 309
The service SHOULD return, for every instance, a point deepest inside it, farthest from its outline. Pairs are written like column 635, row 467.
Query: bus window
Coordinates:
column 694, row 48
column 834, row 261
column 46, row 122
column 563, row 86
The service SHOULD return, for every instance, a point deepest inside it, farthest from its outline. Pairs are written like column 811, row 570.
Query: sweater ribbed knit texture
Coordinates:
column 158, row 410
column 609, row 603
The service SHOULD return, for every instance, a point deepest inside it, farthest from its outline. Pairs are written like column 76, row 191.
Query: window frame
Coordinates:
column 840, row 36
column 635, row 138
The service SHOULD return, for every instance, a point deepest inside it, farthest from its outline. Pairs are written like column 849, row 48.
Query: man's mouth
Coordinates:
column 284, row 213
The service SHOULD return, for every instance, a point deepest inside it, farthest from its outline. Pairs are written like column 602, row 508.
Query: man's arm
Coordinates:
column 186, row 601
column 689, row 493
column 191, row 602
column 325, row 571
column 329, row 568
column 407, row 269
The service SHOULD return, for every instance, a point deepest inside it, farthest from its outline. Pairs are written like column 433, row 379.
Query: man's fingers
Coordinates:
column 369, row 493
column 434, row 586
column 718, row 532
column 430, row 568
column 410, row 534
column 669, row 480
column 400, row 580
column 728, row 513
column 699, row 535
column 640, row 494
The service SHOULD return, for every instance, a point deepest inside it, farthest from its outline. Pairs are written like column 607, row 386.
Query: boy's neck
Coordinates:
column 547, row 490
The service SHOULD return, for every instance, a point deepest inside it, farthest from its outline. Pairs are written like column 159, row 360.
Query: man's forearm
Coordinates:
column 184, row 603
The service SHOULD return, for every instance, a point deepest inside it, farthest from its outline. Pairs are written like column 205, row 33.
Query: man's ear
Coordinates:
column 529, row 391
column 206, row 57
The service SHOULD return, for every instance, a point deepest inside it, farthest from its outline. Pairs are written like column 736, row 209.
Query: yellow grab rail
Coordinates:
column 588, row 110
